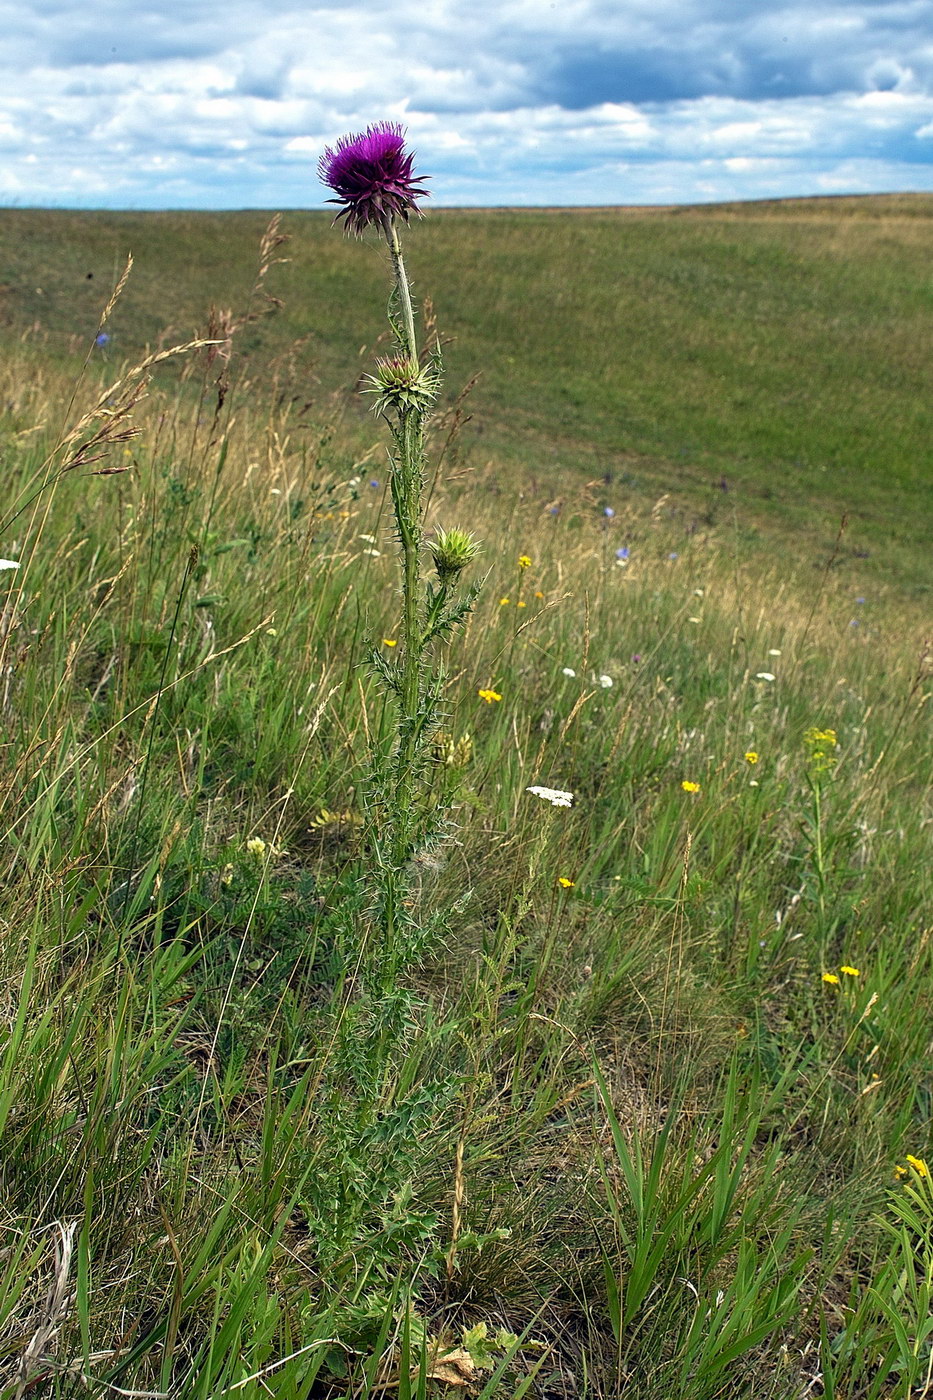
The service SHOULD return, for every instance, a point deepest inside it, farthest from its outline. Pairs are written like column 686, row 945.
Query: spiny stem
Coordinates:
column 408, row 511
column 401, row 282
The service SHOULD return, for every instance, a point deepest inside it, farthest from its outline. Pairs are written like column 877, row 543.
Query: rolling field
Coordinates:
column 647, row 1110
column 781, row 349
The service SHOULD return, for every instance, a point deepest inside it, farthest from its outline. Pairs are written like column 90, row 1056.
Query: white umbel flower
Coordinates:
column 9, row 564
column 552, row 795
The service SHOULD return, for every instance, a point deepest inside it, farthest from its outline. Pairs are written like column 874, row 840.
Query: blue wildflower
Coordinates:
column 622, row 553
column 102, row 340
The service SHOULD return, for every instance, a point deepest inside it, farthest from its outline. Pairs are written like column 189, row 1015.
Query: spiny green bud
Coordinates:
column 401, row 385
column 451, row 551
column 451, row 752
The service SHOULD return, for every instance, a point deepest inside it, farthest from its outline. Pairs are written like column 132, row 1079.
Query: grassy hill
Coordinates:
column 767, row 364
column 645, row 1109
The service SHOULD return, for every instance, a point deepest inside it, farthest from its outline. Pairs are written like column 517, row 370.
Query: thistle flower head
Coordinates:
column 371, row 175
column 400, row 385
column 451, row 551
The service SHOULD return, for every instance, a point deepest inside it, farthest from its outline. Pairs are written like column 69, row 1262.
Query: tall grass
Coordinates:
column 635, row 1141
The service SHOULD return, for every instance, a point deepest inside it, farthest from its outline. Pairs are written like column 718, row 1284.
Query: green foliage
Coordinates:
column 619, row 1109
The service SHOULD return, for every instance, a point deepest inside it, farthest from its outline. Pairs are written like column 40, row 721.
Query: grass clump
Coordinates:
column 620, row 1083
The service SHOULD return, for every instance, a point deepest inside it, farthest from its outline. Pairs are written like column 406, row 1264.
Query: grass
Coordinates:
column 777, row 348
column 636, row 1141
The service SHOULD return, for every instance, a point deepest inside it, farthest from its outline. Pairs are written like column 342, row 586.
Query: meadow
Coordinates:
column 653, row 1115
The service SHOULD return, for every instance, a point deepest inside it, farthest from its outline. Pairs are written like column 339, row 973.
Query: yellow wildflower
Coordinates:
column 389, row 642
column 900, row 1172
column 850, row 971
column 503, row 602
column 821, row 744
column 489, row 696
column 690, row 787
column 539, row 594
column 564, row 883
column 524, row 562
column 751, row 756
column 831, row 978
column 256, row 847
column 520, row 604
column 919, row 1165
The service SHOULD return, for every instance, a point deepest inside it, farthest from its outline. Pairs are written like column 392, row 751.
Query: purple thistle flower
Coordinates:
column 370, row 173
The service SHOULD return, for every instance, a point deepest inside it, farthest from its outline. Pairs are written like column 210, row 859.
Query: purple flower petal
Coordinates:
column 370, row 173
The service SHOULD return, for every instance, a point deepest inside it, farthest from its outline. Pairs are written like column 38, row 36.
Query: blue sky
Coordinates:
column 227, row 105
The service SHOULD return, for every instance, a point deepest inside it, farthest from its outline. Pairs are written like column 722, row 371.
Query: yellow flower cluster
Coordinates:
column 847, row 971
column 822, row 744
column 524, row 562
column 690, row 787
column 489, row 696
column 918, row 1164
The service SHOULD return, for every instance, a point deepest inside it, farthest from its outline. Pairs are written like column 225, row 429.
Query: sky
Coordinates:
column 228, row 103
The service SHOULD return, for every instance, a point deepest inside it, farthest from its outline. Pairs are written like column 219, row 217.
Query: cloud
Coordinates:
column 521, row 101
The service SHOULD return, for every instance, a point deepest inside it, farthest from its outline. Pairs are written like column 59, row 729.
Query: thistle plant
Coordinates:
column 372, row 177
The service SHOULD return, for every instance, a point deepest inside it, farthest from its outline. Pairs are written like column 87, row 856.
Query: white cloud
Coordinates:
column 592, row 101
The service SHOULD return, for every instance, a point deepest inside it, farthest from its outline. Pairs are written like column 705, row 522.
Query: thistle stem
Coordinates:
column 408, row 513
column 401, row 282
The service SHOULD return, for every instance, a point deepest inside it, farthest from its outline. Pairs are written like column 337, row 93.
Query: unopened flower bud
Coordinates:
column 400, row 385
column 451, row 551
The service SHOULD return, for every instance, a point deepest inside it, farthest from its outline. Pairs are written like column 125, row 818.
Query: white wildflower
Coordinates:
column 552, row 795
column 764, row 676
column 605, row 682
column 9, row 564
column 774, row 651
column 569, row 671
